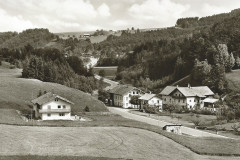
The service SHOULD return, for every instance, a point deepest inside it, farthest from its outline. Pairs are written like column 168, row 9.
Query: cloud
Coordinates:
column 157, row 12
column 14, row 23
column 104, row 10
column 79, row 15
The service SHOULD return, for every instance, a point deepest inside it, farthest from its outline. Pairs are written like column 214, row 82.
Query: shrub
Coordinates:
column 150, row 109
column 86, row 109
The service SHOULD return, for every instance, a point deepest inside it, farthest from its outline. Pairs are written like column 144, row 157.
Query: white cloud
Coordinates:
column 104, row 10
column 13, row 23
column 157, row 12
column 79, row 15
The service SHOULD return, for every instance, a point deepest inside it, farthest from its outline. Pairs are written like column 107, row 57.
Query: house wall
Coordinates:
column 118, row 100
column 127, row 98
column 54, row 105
column 174, row 129
column 55, row 116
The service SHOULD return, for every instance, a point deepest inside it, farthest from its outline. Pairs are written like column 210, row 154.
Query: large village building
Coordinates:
column 52, row 107
column 187, row 97
column 150, row 100
column 120, row 96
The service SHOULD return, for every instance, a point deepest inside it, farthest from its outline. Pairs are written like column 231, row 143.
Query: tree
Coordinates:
column 86, row 109
column 103, row 95
column 102, row 73
column 39, row 93
column 135, row 100
column 196, row 121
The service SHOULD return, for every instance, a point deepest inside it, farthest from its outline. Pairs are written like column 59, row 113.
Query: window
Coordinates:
column 64, row 107
column 133, row 92
column 126, row 98
column 56, row 99
column 183, row 101
column 59, row 106
column 49, row 107
column 157, row 101
column 49, row 115
column 126, row 104
column 190, row 100
column 136, row 92
column 61, row 114
column 165, row 99
column 179, row 100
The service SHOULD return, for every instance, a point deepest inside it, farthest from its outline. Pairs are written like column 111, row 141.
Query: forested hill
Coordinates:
column 205, row 21
column 154, row 59
column 35, row 37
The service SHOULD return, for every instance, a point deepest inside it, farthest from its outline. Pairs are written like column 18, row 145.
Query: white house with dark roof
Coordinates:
column 120, row 96
column 187, row 97
column 52, row 107
column 150, row 100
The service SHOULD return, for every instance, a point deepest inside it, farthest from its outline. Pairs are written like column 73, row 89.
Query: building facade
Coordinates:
column 120, row 96
column 187, row 97
column 52, row 107
column 150, row 100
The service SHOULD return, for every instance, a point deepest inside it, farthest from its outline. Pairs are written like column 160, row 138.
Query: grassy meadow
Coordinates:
column 17, row 93
column 110, row 72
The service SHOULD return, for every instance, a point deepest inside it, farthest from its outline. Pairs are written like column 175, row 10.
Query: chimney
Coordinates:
column 189, row 85
column 177, row 86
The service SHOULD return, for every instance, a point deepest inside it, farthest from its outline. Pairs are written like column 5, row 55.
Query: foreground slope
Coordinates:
column 17, row 93
column 113, row 142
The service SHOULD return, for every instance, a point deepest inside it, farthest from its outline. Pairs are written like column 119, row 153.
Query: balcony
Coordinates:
column 54, row 110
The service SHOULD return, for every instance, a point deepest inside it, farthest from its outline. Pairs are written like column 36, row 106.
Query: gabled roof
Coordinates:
column 147, row 96
column 210, row 100
column 121, row 89
column 49, row 97
column 201, row 91
column 167, row 90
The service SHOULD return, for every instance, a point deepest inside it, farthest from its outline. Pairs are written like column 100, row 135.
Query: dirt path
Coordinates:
column 113, row 142
column 186, row 130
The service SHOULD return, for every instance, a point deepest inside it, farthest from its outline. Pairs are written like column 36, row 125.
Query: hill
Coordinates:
column 234, row 80
column 35, row 37
column 16, row 93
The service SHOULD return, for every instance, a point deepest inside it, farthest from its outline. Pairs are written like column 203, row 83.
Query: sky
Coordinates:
column 90, row 15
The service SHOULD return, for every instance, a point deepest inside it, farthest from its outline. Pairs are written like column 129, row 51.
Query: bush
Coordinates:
column 86, row 109
column 152, row 110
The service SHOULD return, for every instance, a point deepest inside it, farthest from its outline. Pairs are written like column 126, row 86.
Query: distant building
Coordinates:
column 187, row 97
column 174, row 128
column 150, row 100
column 209, row 104
column 52, row 107
column 120, row 96
column 86, row 35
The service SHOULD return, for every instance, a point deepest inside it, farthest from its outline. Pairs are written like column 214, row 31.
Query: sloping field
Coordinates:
column 110, row 72
column 17, row 93
column 234, row 80
column 113, row 142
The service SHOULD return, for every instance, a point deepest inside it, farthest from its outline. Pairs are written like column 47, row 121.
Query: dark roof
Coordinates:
column 200, row 91
column 121, row 89
column 49, row 97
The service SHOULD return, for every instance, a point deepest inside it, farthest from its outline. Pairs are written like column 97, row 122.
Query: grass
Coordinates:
column 17, row 93
column 110, row 72
column 112, row 142
column 233, row 80
column 203, row 146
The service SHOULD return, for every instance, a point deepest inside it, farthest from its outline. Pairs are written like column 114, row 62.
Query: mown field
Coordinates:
column 110, row 72
column 234, row 80
column 199, row 145
column 17, row 93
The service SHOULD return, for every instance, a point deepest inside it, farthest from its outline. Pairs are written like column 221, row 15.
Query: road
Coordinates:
column 112, row 83
column 185, row 130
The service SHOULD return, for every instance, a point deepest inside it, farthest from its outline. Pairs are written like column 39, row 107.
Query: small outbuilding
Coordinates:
column 174, row 128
